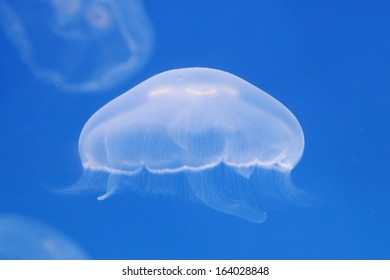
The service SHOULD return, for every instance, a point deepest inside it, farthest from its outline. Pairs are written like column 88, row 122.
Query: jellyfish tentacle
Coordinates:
column 112, row 186
column 207, row 193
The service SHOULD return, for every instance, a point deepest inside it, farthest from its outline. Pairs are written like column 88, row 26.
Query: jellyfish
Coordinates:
column 79, row 45
column 23, row 238
column 196, row 133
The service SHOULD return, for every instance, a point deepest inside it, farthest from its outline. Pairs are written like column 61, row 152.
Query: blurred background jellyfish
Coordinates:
column 79, row 45
column 198, row 133
column 22, row 238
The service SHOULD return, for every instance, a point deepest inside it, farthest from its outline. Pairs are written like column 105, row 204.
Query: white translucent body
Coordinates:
column 189, row 121
column 79, row 45
column 26, row 239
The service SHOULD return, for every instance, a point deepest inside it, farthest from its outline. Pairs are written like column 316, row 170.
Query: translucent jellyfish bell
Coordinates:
column 22, row 238
column 200, row 133
column 79, row 45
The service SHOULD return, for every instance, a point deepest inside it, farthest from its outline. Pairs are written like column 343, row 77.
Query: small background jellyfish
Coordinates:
column 26, row 239
column 79, row 45
column 197, row 133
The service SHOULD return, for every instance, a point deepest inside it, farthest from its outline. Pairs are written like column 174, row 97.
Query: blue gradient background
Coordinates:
column 327, row 61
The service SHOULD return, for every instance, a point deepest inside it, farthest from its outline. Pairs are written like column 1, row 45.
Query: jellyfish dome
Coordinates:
column 79, row 45
column 200, row 133
column 23, row 238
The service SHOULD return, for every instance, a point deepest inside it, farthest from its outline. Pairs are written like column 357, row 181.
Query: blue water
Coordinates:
column 327, row 62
